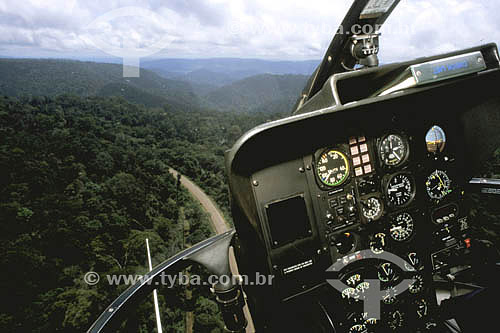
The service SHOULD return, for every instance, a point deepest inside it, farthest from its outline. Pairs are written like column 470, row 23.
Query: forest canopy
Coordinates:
column 83, row 182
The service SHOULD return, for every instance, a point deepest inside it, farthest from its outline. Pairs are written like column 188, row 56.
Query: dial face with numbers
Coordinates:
column 418, row 284
column 402, row 227
column 393, row 150
column 378, row 243
column 400, row 189
column 421, row 308
column 438, row 185
column 358, row 328
column 412, row 262
column 395, row 320
column 386, row 272
column 332, row 168
column 372, row 208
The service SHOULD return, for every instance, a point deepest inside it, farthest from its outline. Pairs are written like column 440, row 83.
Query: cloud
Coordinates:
column 280, row 29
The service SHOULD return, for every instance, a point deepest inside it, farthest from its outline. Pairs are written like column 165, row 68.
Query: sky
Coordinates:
column 264, row 29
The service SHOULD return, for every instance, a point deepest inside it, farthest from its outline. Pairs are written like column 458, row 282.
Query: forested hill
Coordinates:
column 267, row 93
column 83, row 181
column 200, row 89
column 52, row 77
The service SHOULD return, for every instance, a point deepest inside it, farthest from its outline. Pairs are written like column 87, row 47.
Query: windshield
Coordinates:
column 115, row 117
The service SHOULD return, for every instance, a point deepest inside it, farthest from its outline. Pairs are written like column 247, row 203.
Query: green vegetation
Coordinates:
column 83, row 181
column 267, row 93
column 45, row 77
column 200, row 89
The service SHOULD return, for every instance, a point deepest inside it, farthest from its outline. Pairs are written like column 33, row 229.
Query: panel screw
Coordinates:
column 419, row 73
column 301, row 170
column 255, row 183
column 308, row 167
column 479, row 60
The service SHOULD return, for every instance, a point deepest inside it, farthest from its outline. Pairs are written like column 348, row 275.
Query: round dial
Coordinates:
column 389, row 296
column 332, row 168
column 421, row 306
column 353, row 280
column 371, row 323
column 400, row 189
column 395, row 320
column 438, row 185
column 377, row 245
column 358, row 328
column 401, row 227
column 435, row 140
column 386, row 272
column 412, row 261
column 362, row 287
column 372, row 208
column 393, row 150
column 350, row 293
column 418, row 285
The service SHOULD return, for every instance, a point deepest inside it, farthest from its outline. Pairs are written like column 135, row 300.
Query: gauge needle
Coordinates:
column 394, row 152
column 440, row 180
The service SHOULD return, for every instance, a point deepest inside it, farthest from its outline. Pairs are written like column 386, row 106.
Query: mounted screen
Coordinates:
column 288, row 221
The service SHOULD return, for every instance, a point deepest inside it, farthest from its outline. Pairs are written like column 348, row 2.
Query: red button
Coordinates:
column 467, row 242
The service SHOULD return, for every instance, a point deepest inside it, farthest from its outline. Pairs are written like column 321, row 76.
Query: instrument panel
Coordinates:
column 354, row 182
column 388, row 193
column 396, row 192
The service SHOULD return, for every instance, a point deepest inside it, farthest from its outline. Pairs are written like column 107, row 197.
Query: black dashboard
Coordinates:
column 371, row 194
column 395, row 190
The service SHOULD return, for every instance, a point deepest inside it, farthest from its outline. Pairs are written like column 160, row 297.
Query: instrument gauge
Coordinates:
column 350, row 293
column 389, row 296
column 353, row 280
column 418, row 285
column 395, row 320
column 372, row 208
column 435, row 140
column 386, row 272
column 358, row 328
column 400, row 189
column 413, row 262
column 421, row 306
column 438, row 185
column 377, row 245
column 393, row 150
column 371, row 324
column 332, row 168
column 402, row 227
column 362, row 287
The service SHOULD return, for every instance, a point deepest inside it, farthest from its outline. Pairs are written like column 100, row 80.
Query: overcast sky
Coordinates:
column 267, row 29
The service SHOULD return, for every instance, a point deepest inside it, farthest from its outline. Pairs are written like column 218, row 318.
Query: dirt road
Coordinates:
column 219, row 224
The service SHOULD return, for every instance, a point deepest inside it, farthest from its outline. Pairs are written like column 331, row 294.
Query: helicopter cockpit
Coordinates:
column 359, row 204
